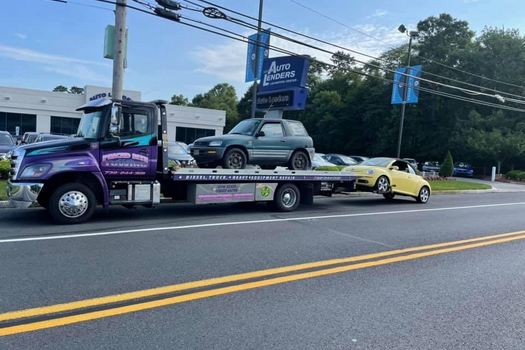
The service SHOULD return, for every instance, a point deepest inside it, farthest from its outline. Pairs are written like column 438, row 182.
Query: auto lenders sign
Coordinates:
column 284, row 73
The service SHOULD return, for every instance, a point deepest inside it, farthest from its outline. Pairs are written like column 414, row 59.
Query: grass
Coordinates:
column 456, row 185
column 3, row 194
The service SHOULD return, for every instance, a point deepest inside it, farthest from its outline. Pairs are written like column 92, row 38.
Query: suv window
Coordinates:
column 272, row 130
column 296, row 128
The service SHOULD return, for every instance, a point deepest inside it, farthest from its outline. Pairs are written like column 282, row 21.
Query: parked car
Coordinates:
column 463, row 169
column 7, row 143
column 412, row 162
column 29, row 137
column 340, row 159
column 359, row 159
column 391, row 177
column 261, row 141
column 179, row 155
column 320, row 160
column 431, row 167
column 47, row 137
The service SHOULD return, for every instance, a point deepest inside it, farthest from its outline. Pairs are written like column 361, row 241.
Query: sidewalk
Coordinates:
column 496, row 186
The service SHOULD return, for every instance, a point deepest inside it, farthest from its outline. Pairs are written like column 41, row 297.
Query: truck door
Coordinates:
column 130, row 149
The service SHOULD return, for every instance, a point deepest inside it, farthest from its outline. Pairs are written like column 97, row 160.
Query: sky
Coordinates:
column 46, row 43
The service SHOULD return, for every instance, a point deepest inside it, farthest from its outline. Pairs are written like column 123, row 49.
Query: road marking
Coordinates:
column 250, row 222
column 439, row 248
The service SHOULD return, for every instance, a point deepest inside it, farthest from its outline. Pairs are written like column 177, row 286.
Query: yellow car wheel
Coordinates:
column 382, row 185
column 424, row 195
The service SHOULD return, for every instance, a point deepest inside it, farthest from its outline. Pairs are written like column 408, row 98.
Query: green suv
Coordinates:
column 260, row 141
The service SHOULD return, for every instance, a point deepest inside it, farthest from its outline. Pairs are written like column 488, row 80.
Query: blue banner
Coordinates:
column 402, row 78
column 284, row 72
column 264, row 42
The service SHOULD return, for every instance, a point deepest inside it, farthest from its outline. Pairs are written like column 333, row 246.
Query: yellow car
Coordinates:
column 390, row 177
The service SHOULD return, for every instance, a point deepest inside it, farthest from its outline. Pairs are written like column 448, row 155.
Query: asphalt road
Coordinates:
column 466, row 295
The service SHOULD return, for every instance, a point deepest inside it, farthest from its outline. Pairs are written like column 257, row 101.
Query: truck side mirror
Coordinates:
column 116, row 112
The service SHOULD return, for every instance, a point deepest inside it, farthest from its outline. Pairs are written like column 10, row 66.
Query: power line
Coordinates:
column 424, row 58
column 242, row 38
column 464, row 90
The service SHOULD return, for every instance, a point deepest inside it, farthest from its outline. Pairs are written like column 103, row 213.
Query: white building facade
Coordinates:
column 25, row 110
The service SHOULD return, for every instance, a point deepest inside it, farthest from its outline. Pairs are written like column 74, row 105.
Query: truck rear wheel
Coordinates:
column 287, row 197
column 72, row 203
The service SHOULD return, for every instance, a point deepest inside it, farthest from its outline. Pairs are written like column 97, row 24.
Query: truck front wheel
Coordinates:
column 72, row 203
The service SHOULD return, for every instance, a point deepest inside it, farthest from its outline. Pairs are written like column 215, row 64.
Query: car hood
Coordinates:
column 363, row 169
column 183, row 157
column 52, row 146
column 6, row 148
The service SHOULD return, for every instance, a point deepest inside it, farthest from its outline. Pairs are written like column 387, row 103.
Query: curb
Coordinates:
column 5, row 204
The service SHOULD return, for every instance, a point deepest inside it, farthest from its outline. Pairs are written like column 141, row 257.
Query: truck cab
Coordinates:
column 115, row 152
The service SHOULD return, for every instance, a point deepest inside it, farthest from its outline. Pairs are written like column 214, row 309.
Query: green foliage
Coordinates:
column 331, row 168
column 456, row 185
column 447, row 168
column 5, row 167
column 516, row 175
column 179, row 100
column 60, row 88
column 221, row 96
column 3, row 190
column 73, row 90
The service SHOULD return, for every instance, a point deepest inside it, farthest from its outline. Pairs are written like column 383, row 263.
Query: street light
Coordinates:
column 412, row 35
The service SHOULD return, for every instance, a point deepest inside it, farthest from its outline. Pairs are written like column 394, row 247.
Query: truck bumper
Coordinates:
column 23, row 194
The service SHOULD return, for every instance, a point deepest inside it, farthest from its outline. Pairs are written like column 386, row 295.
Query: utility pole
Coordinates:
column 119, row 54
column 411, row 35
column 257, row 58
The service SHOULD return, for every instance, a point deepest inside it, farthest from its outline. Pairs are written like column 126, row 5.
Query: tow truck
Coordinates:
column 120, row 157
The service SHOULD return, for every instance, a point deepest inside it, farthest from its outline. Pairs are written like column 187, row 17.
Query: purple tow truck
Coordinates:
column 119, row 157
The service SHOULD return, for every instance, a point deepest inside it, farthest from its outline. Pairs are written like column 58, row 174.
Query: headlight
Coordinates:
column 3, row 156
column 215, row 143
column 370, row 172
column 36, row 170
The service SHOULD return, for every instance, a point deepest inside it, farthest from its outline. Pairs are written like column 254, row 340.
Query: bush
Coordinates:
column 447, row 168
column 513, row 174
column 331, row 168
column 5, row 166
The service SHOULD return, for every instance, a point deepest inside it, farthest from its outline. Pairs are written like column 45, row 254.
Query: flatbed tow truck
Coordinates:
column 120, row 157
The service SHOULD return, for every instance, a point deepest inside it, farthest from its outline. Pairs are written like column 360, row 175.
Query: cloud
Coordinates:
column 83, row 70
column 378, row 13
column 20, row 36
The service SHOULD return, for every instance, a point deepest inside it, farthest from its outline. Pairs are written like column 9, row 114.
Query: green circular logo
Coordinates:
column 266, row 191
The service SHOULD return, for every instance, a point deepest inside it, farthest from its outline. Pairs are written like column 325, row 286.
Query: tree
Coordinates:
column 60, row 88
column 179, row 100
column 447, row 168
column 76, row 90
column 221, row 96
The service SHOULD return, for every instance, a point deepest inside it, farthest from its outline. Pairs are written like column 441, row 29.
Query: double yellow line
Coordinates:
column 24, row 320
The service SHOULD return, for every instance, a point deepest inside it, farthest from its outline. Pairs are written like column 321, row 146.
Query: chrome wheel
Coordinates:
column 424, row 195
column 289, row 198
column 382, row 185
column 73, row 204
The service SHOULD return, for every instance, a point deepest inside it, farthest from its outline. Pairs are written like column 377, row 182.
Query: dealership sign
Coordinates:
column 285, row 72
column 264, row 42
column 406, row 78
column 289, row 99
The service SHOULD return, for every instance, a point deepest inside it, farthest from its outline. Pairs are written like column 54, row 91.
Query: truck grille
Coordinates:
column 15, row 159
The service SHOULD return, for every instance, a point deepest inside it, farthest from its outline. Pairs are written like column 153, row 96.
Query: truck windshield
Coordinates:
column 6, row 140
column 246, row 127
column 89, row 126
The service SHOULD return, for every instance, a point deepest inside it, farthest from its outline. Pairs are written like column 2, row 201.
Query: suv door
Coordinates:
column 131, row 150
column 270, row 145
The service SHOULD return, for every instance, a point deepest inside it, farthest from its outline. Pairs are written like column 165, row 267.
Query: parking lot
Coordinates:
column 468, row 290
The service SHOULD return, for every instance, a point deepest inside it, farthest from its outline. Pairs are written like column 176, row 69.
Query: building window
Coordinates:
column 188, row 135
column 64, row 126
column 25, row 122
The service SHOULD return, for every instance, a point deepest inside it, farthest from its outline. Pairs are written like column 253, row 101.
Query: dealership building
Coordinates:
column 55, row 112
